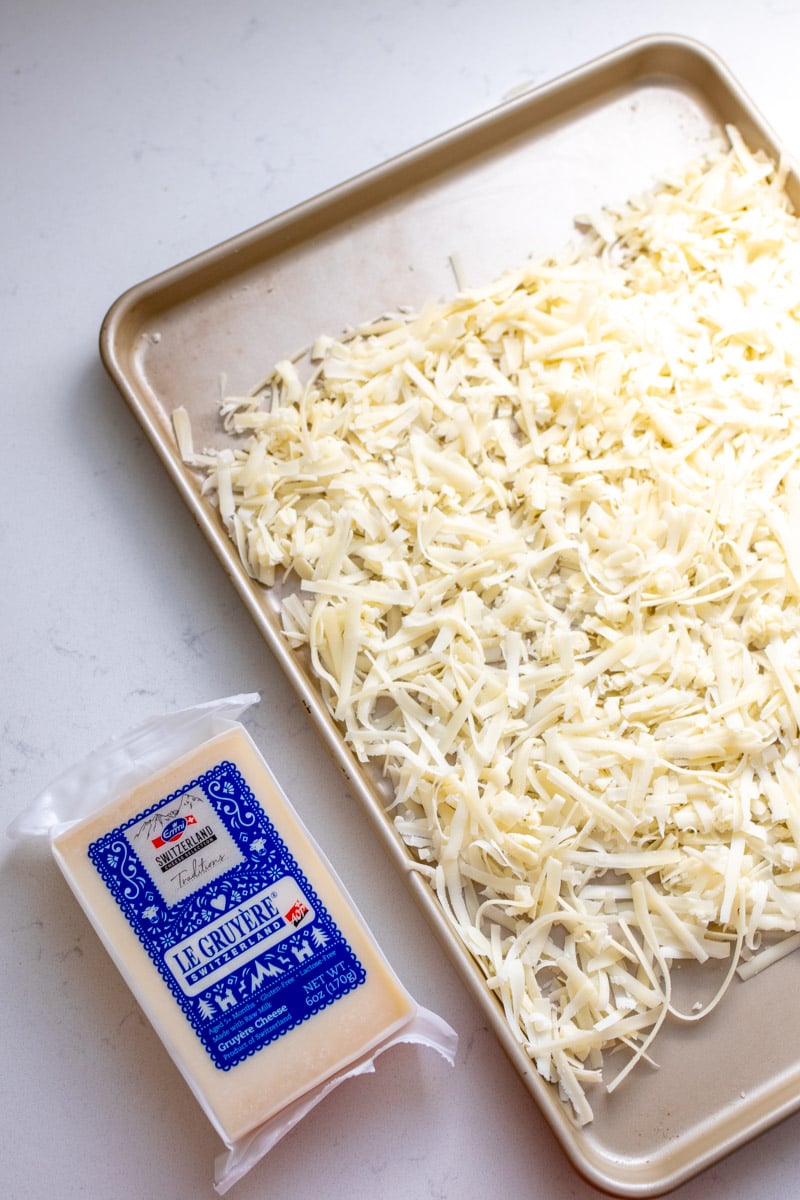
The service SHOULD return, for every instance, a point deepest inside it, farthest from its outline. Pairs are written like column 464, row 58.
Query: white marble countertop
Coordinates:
column 132, row 136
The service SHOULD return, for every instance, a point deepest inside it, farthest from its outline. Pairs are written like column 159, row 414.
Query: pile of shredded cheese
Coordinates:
column 547, row 541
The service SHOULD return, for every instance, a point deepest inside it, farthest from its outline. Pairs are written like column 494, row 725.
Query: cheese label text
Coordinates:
column 226, row 914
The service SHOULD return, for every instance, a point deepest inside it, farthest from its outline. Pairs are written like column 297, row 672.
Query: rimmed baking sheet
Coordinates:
column 488, row 195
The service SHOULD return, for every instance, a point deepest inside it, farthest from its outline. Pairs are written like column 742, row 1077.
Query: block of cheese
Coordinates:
column 233, row 933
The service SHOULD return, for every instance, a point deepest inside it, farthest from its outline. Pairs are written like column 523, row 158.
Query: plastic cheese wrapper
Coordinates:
column 227, row 922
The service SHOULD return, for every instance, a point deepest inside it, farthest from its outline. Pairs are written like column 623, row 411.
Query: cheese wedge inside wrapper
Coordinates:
column 238, row 941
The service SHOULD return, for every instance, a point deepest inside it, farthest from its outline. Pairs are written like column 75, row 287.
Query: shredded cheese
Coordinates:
column 544, row 536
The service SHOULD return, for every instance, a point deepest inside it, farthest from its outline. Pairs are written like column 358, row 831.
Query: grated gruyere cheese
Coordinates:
column 547, row 539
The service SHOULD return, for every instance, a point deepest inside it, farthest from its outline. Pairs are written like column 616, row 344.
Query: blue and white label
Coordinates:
column 183, row 844
column 221, row 906
column 239, row 937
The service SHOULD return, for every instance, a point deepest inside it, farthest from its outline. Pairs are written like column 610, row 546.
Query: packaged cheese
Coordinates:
column 227, row 922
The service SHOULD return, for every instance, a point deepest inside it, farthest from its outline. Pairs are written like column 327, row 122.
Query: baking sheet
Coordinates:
column 489, row 194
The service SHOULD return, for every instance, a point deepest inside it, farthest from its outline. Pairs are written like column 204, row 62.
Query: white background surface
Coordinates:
column 133, row 135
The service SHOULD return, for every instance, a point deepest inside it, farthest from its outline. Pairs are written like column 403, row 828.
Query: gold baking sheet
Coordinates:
column 488, row 195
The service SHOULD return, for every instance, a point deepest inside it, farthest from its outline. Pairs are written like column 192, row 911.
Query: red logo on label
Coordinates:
column 296, row 913
column 173, row 830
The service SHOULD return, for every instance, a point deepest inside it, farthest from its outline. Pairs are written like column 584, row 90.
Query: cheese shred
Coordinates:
column 546, row 546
